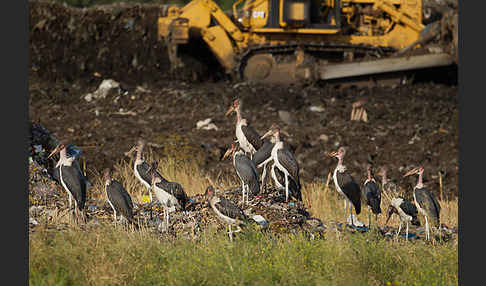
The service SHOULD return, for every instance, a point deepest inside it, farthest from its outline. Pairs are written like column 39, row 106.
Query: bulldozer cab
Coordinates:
column 289, row 14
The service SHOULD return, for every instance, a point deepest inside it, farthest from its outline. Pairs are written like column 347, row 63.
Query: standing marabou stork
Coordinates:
column 285, row 162
column 171, row 195
column 226, row 210
column 248, row 138
column 405, row 210
column 345, row 184
column 72, row 180
column 426, row 204
column 142, row 168
column 118, row 198
column 372, row 194
column 388, row 186
column 246, row 171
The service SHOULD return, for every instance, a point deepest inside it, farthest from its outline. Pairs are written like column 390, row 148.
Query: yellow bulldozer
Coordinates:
column 293, row 40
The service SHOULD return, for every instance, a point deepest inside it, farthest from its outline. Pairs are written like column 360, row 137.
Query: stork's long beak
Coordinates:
column 332, row 154
column 269, row 132
column 129, row 152
column 227, row 153
column 54, row 152
column 411, row 172
column 231, row 109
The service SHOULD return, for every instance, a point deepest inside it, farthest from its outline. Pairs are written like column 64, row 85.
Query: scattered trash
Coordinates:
column 260, row 220
column 314, row 108
column 206, row 124
column 33, row 221
column 105, row 86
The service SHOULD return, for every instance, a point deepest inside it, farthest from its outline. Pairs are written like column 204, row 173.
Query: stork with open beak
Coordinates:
column 246, row 171
column 225, row 210
column 426, row 203
column 285, row 161
column 345, row 184
column 247, row 137
column 72, row 180
column 372, row 194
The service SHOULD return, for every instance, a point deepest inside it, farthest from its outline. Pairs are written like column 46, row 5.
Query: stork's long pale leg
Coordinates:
column 286, row 188
column 351, row 213
column 427, row 234
column 399, row 228
column 406, row 232
column 369, row 218
column 230, row 233
column 262, row 187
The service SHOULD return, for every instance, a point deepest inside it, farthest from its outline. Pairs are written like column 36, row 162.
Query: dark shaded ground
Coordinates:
column 408, row 125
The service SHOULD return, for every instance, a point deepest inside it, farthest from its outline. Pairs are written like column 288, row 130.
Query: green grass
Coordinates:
column 108, row 256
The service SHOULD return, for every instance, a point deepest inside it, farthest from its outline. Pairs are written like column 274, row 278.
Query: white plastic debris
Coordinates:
column 260, row 220
column 105, row 86
column 314, row 108
column 356, row 222
column 33, row 221
column 206, row 124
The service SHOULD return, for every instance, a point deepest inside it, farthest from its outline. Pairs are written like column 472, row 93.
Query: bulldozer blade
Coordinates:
column 384, row 65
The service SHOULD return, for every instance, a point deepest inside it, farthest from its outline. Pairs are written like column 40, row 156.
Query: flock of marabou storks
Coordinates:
column 251, row 152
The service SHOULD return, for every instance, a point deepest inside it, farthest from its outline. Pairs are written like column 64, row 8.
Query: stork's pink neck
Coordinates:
column 238, row 114
column 420, row 183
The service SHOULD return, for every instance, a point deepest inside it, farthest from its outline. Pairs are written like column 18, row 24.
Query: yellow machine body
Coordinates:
column 393, row 24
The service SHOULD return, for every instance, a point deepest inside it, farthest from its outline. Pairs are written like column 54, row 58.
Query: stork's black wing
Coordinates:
column 178, row 192
column 373, row 196
column 263, row 153
column 294, row 189
column 247, row 172
column 75, row 181
column 144, row 170
column 120, row 198
column 350, row 188
column 252, row 136
column 410, row 209
column 288, row 161
column 428, row 203
column 228, row 208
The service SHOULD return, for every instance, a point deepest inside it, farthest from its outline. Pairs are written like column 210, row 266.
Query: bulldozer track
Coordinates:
column 371, row 51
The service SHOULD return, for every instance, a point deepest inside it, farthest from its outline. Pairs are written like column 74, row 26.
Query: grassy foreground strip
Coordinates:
column 109, row 256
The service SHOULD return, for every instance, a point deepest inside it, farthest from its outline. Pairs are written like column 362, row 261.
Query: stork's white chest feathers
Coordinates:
column 396, row 202
column 276, row 147
column 244, row 143
column 421, row 210
column 340, row 169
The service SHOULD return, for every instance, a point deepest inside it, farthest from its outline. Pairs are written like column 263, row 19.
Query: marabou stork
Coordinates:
column 171, row 195
column 345, row 184
column 246, row 171
column 226, row 210
column 388, row 186
column 118, row 198
column 248, row 138
column 141, row 168
column 285, row 161
column 372, row 194
column 426, row 204
column 405, row 210
column 71, row 179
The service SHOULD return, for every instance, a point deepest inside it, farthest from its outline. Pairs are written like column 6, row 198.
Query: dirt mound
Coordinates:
column 117, row 41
